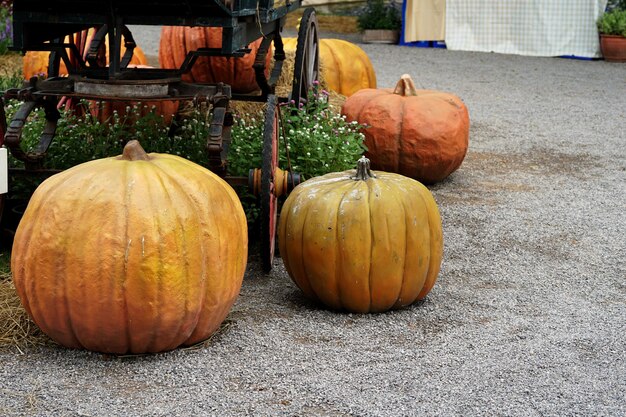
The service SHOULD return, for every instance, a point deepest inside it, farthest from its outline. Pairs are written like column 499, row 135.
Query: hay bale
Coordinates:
column 325, row 22
column 10, row 64
column 283, row 89
column 17, row 330
column 246, row 109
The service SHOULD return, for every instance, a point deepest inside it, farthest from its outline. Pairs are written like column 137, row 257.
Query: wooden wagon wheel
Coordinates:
column 306, row 65
column 269, row 203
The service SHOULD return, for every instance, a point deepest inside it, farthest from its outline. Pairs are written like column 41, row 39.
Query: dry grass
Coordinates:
column 326, row 23
column 9, row 64
column 283, row 89
column 17, row 331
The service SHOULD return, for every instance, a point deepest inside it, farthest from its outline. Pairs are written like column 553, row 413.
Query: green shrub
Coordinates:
column 6, row 29
column 613, row 23
column 13, row 80
column 616, row 4
column 319, row 141
column 378, row 15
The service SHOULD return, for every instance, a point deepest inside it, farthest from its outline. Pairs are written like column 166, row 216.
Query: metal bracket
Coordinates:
column 13, row 137
column 218, row 141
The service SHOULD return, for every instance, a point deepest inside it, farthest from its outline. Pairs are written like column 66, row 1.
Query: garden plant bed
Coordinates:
column 527, row 317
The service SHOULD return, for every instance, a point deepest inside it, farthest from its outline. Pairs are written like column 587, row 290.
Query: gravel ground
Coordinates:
column 527, row 318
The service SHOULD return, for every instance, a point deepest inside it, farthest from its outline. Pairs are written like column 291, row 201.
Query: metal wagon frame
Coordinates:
column 43, row 26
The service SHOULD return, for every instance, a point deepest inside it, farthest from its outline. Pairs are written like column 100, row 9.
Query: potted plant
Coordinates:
column 612, row 28
column 380, row 22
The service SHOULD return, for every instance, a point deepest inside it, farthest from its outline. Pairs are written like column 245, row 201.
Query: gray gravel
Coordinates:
column 528, row 316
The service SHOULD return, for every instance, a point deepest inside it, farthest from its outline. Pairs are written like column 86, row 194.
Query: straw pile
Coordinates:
column 325, row 23
column 10, row 64
column 284, row 84
column 17, row 331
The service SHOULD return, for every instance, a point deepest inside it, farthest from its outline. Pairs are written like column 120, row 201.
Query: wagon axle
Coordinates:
column 284, row 181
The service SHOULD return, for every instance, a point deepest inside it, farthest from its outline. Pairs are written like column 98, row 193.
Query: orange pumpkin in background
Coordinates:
column 177, row 41
column 345, row 67
column 422, row 134
column 35, row 63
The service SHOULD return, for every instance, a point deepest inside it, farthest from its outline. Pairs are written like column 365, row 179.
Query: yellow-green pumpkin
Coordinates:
column 131, row 254
column 345, row 67
column 361, row 241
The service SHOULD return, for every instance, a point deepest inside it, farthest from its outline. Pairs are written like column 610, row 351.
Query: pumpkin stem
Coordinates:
column 134, row 152
column 405, row 86
column 363, row 171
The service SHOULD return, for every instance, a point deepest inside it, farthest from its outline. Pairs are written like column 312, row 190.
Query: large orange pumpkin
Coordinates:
column 345, row 67
column 361, row 241
column 35, row 63
column 423, row 134
column 131, row 254
column 177, row 41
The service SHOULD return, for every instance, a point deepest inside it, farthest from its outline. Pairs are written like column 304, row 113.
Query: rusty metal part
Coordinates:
column 136, row 89
column 284, row 181
column 254, row 181
column 218, row 141
column 136, row 84
column 13, row 137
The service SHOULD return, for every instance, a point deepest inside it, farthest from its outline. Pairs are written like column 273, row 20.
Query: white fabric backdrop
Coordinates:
column 425, row 20
column 525, row 27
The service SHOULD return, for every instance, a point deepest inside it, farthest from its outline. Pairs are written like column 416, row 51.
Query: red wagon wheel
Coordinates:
column 306, row 65
column 269, row 203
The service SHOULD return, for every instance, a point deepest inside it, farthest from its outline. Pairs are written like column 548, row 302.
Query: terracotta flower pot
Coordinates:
column 613, row 47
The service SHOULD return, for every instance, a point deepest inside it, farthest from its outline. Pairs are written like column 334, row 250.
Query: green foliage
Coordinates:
column 319, row 141
column 13, row 80
column 616, row 4
column 378, row 15
column 6, row 30
column 80, row 137
column 613, row 23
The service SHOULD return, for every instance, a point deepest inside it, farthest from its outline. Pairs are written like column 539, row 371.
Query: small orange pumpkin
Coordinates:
column 422, row 134
column 177, row 41
column 35, row 63
column 131, row 254
column 361, row 241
